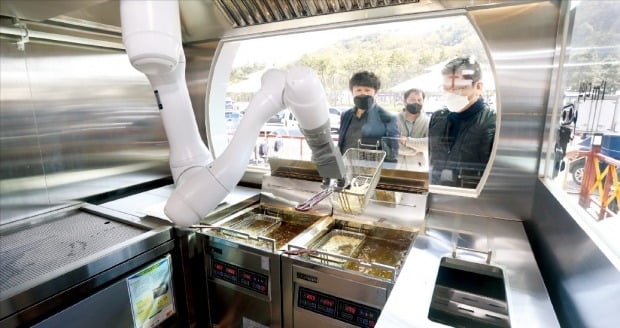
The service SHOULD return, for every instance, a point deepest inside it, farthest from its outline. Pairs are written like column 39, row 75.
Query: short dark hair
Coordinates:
column 365, row 79
column 413, row 90
column 459, row 64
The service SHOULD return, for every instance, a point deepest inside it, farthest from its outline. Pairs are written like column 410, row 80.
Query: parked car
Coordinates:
column 241, row 106
column 577, row 169
column 229, row 104
column 334, row 119
column 289, row 118
column 232, row 119
column 286, row 118
column 277, row 119
column 576, row 162
column 288, row 132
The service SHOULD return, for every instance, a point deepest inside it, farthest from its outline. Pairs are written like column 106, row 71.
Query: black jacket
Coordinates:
column 460, row 143
column 381, row 127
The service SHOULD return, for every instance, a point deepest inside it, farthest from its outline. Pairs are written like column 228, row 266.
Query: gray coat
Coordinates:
column 413, row 155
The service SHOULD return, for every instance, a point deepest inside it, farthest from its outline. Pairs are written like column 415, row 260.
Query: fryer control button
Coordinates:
column 347, row 311
column 241, row 277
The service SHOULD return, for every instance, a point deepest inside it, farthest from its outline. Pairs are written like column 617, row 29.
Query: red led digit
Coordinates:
column 219, row 267
column 231, row 271
column 350, row 309
column 247, row 276
column 311, row 297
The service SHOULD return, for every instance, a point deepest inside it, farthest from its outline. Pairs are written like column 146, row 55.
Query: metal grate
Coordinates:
column 253, row 12
column 32, row 252
column 363, row 170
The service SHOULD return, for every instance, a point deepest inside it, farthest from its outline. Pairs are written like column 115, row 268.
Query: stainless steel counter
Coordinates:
column 151, row 203
column 59, row 256
column 528, row 301
column 63, row 254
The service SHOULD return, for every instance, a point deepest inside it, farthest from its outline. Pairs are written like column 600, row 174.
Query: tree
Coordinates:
column 595, row 46
column 241, row 73
column 393, row 57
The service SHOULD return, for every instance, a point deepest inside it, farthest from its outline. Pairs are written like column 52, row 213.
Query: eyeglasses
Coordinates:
column 456, row 84
column 461, row 91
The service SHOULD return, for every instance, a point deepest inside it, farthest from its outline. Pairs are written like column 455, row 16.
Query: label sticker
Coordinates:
column 264, row 263
column 307, row 277
column 159, row 105
column 150, row 294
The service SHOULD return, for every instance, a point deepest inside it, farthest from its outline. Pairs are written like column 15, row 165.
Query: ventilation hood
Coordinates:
column 252, row 12
column 208, row 20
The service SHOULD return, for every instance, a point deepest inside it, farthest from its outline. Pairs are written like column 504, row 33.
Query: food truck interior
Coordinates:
column 175, row 163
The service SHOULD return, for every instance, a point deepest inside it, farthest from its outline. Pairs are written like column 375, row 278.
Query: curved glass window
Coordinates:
column 404, row 55
column 583, row 164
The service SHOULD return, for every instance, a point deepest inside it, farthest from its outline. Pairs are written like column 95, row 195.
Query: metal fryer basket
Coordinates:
column 256, row 224
column 363, row 168
column 340, row 243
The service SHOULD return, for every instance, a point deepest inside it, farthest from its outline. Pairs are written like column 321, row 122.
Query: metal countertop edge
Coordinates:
column 529, row 304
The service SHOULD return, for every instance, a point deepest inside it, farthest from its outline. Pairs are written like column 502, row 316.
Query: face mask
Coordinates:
column 413, row 108
column 363, row 101
column 454, row 102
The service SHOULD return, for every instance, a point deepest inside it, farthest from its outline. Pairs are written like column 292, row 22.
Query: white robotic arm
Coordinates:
column 152, row 37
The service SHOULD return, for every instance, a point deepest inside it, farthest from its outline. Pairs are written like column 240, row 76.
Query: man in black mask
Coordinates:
column 413, row 126
column 367, row 125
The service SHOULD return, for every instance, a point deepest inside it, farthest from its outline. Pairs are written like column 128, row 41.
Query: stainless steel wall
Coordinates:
column 583, row 284
column 75, row 120
column 522, row 41
column 199, row 58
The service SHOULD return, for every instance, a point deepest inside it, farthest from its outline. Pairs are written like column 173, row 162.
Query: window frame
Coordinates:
column 224, row 56
column 605, row 240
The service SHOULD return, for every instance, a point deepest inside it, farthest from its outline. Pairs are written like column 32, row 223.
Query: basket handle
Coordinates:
column 309, row 204
column 360, row 144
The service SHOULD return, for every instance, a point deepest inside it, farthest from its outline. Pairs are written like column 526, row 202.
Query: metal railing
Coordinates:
column 600, row 183
column 293, row 146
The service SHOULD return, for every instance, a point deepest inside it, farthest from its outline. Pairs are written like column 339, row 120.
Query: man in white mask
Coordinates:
column 461, row 134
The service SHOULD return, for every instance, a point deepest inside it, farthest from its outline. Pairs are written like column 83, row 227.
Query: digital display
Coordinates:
column 350, row 309
column 231, row 273
column 327, row 302
column 337, row 308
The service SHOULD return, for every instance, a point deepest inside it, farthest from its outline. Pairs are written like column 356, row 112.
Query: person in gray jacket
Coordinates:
column 413, row 126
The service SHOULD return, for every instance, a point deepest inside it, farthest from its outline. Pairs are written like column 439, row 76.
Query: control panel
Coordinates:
column 241, row 277
column 337, row 308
